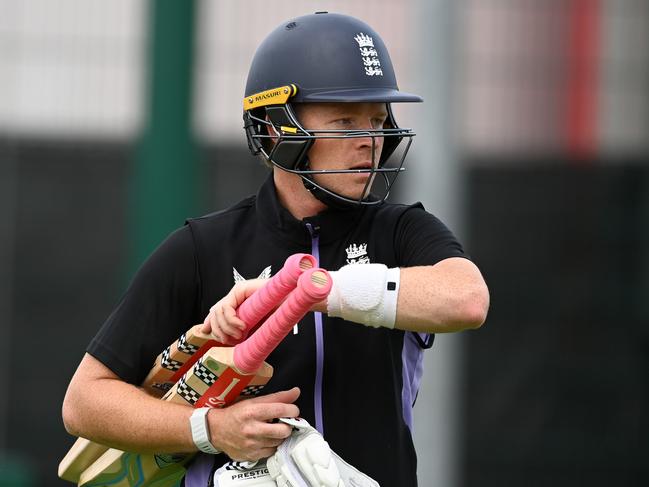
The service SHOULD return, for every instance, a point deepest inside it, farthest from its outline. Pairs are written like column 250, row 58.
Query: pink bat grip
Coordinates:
column 312, row 287
column 268, row 297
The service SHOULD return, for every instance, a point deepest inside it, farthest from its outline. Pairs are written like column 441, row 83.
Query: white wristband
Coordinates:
column 365, row 293
column 200, row 432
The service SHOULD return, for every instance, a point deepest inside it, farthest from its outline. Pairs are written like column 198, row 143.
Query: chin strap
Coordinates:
column 328, row 199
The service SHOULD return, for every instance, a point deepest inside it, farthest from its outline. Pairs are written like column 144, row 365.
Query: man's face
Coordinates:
column 348, row 153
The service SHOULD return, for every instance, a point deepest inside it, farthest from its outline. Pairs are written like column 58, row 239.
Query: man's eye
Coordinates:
column 378, row 123
column 343, row 122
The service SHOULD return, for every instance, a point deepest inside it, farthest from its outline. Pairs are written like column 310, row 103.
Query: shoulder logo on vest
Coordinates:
column 265, row 274
column 357, row 254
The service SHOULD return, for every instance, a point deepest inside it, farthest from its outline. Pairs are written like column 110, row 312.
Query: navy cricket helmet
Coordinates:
column 320, row 58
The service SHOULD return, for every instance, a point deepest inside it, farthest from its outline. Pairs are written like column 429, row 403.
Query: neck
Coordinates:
column 294, row 196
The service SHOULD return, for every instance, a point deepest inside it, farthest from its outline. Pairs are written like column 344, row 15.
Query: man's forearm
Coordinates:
column 449, row 296
column 446, row 297
column 104, row 409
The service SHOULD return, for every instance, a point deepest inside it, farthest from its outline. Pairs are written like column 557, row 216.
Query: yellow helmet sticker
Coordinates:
column 275, row 96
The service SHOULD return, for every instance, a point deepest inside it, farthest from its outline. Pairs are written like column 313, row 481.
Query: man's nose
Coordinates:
column 365, row 128
column 370, row 145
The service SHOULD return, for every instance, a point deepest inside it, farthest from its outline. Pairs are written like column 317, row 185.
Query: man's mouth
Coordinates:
column 362, row 166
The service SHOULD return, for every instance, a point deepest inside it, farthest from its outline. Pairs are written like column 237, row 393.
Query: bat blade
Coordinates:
column 116, row 468
column 82, row 454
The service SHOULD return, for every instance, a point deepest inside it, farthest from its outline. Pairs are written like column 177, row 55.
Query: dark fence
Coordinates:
column 558, row 380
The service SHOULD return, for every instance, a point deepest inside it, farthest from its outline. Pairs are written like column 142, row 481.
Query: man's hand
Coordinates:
column 245, row 431
column 222, row 321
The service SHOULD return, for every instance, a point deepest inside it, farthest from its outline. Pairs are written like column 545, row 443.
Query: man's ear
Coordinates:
column 270, row 130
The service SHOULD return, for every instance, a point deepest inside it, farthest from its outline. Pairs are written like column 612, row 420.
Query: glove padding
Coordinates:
column 304, row 459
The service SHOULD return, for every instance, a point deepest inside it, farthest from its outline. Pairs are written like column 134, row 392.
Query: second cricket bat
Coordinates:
column 219, row 378
column 181, row 355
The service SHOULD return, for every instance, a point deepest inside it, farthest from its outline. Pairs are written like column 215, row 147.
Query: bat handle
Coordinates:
column 268, row 297
column 312, row 287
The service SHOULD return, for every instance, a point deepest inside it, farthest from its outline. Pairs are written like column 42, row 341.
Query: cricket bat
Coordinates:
column 180, row 356
column 220, row 377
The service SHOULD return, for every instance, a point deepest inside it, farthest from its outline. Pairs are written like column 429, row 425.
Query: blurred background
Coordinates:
column 119, row 119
